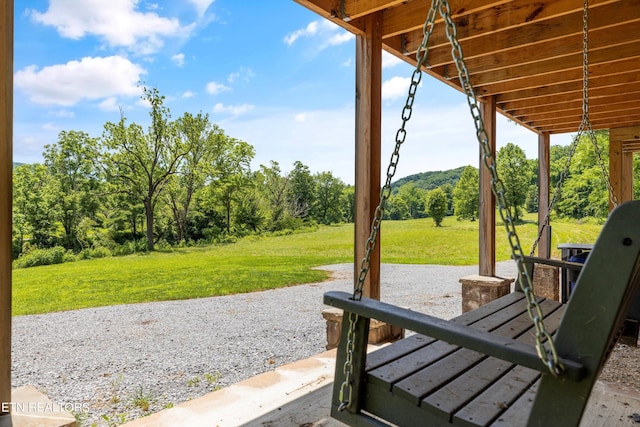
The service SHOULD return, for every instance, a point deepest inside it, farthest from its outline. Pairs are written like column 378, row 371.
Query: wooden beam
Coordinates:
column 6, row 184
column 621, row 163
column 487, row 214
column 368, row 146
column 544, row 245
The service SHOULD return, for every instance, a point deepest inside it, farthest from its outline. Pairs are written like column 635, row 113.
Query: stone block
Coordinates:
column 478, row 290
column 546, row 281
column 379, row 332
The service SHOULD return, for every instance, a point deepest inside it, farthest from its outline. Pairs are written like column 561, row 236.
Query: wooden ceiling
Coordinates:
column 528, row 54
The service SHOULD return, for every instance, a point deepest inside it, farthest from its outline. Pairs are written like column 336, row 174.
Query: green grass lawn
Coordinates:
column 255, row 263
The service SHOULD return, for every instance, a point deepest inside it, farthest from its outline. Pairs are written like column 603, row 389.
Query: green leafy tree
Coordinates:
column 515, row 173
column 349, row 203
column 396, row 208
column 437, row 205
column 585, row 192
column 232, row 175
column 414, row 199
column 202, row 141
column 72, row 161
column 273, row 188
column 302, row 191
column 466, row 197
column 140, row 163
column 35, row 196
column 327, row 209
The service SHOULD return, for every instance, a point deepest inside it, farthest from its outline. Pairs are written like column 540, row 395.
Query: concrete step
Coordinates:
column 31, row 408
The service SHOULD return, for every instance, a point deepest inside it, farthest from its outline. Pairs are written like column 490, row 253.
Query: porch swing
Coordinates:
column 519, row 360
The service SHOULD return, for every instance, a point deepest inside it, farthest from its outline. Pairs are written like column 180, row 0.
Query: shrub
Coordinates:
column 35, row 257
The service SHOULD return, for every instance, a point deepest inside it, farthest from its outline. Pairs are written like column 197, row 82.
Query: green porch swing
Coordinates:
column 519, row 360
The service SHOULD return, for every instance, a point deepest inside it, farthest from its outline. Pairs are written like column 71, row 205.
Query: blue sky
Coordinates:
column 268, row 72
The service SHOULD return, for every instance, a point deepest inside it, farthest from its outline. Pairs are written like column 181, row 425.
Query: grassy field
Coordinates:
column 255, row 263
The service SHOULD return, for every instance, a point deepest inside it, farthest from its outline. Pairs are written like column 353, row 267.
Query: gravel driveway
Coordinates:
column 117, row 360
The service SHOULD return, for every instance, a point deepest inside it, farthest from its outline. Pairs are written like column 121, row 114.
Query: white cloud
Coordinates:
column 90, row 78
column 234, row 110
column 310, row 30
column 188, row 94
column 116, row 22
column 201, row 5
column 389, row 61
column 243, row 73
column 64, row 114
column 50, row 127
column 329, row 34
column 214, row 88
column 109, row 104
column 178, row 59
column 300, row 117
column 395, row 87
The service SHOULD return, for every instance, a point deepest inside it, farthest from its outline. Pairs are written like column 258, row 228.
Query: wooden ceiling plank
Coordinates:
column 359, row 8
column 557, row 49
column 530, row 33
column 596, row 85
column 595, row 117
column 562, row 77
column 594, row 94
column 572, row 127
column 565, row 63
column 412, row 15
column 569, row 109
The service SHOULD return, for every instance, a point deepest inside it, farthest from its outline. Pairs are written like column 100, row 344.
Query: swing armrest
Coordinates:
column 575, row 266
column 451, row 332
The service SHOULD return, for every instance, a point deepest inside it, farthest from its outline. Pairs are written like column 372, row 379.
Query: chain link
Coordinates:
column 543, row 339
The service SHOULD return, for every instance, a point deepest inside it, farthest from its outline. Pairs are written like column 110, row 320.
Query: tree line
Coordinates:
column 179, row 181
column 578, row 179
column 185, row 181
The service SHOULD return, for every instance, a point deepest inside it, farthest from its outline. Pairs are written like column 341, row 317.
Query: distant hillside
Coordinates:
column 431, row 180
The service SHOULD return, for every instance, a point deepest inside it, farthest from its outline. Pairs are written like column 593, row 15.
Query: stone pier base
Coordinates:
column 478, row 290
column 546, row 281
column 379, row 332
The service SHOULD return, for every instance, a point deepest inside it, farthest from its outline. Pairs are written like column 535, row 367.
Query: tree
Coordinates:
column 585, row 192
column 232, row 173
column 349, row 203
column 329, row 189
column 140, row 163
column 35, row 204
column 414, row 199
column 396, row 208
column 302, row 190
column 515, row 173
column 437, row 205
column 273, row 188
column 72, row 161
column 466, row 196
column 203, row 143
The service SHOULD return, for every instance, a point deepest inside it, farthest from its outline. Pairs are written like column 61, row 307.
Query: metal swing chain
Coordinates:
column 543, row 338
column 585, row 125
column 346, row 389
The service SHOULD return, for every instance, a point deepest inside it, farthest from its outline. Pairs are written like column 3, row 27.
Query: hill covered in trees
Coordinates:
column 430, row 180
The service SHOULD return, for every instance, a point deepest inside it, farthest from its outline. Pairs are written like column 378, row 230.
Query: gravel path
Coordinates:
column 115, row 360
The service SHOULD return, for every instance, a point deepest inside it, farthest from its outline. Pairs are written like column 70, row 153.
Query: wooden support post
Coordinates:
column 6, row 162
column 368, row 146
column 544, row 245
column 621, row 141
column 487, row 214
